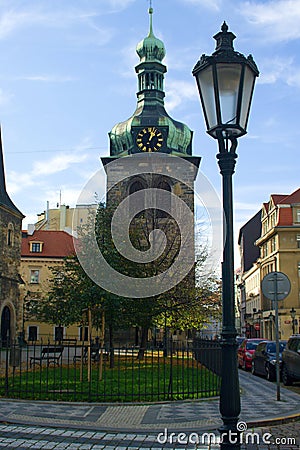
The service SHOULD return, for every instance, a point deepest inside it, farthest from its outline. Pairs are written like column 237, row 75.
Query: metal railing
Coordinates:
column 70, row 371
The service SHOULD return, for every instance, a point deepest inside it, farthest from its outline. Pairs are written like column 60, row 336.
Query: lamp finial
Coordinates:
column 224, row 39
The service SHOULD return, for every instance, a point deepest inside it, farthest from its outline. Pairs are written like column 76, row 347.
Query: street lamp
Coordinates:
column 226, row 82
column 293, row 315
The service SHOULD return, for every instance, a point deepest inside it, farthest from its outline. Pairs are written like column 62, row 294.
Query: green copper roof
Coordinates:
column 151, row 48
column 150, row 110
column 178, row 139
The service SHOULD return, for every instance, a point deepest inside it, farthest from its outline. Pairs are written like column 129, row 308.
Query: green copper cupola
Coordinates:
column 151, row 52
column 150, row 110
column 151, row 48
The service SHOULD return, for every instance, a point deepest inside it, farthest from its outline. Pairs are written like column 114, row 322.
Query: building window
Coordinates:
column 299, row 269
column 36, row 247
column 298, row 215
column 10, row 235
column 32, row 333
column 58, row 333
column 34, row 276
column 265, row 250
column 298, row 240
column 84, row 333
column 273, row 244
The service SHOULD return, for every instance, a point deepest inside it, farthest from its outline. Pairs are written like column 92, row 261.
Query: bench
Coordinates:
column 95, row 354
column 69, row 341
column 51, row 355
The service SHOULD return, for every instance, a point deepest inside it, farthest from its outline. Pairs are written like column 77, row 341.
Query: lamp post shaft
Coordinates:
column 226, row 82
column 230, row 405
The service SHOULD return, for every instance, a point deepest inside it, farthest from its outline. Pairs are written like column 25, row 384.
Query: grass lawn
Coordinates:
column 130, row 380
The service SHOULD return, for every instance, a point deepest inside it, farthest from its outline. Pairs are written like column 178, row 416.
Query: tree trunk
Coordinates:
column 101, row 345
column 111, row 348
column 144, row 339
column 90, row 344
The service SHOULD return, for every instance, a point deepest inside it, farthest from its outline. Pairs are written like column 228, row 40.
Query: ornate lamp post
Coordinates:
column 293, row 315
column 226, row 82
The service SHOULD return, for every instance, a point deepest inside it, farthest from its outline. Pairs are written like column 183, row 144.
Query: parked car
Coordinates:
column 239, row 340
column 245, row 352
column 291, row 361
column 264, row 359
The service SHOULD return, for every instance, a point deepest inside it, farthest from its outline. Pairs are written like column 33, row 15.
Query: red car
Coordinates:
column 245, row 352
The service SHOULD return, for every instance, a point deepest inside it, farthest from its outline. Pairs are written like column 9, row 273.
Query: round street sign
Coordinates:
column 276, row 286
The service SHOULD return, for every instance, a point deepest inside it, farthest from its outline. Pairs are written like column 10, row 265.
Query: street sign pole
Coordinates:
column 276, row 287
column 277, row 334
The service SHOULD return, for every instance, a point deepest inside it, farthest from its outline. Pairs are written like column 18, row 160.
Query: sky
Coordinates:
column 67, row 77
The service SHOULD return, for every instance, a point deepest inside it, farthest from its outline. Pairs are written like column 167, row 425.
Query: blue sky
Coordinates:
column 67, row 76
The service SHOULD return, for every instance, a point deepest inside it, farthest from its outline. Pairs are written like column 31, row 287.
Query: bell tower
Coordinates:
column 150, row 149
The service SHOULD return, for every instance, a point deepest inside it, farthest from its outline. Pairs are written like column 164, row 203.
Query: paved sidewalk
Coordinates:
column 50, row 425
column 259, row 406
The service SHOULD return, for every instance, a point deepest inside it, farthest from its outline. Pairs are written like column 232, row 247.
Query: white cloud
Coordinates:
column 47, row 78
column 41, row 169
column 57, row 164
column 214, row 5
column 14, row 19
column 18, row 181
column 279, row 69
column 5, row 98
column 119, row 4
column 67, row 196
column 178, row 92
column 278, row 20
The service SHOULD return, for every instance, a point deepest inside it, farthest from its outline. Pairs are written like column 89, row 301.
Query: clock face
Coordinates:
column 149, row 139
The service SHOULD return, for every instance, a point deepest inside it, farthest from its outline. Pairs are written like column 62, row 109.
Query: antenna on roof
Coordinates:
column 47, row 216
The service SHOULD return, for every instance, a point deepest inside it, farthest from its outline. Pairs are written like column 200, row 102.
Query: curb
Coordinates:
column 275, row 421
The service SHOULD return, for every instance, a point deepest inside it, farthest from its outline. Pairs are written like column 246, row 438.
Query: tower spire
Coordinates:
column 4, row 197
column 151, row 34
column 2, row 174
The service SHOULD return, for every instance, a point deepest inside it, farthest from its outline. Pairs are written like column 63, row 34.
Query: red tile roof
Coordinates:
column 285, row 217
column 292, row 198
column 56, row 244
column 266, row 206
column 278, row 198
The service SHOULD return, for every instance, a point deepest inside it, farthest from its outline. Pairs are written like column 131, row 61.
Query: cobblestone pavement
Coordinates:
column 283, row 437
column 177, row 425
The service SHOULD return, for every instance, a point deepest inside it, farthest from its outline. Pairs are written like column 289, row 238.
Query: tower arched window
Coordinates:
column 10, row 235
column 135, row 186
column 161, row 200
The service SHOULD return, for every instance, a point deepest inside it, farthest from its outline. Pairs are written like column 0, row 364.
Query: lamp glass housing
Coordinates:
column 226, row 92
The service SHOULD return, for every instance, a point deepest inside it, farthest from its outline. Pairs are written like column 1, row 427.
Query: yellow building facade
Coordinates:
column 279, row 246
column 41, row 251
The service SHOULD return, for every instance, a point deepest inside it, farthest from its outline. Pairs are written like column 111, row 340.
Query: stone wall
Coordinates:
column 10, row 250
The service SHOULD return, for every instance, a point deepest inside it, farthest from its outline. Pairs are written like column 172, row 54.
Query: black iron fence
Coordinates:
column 208, row 353
column 69, row 371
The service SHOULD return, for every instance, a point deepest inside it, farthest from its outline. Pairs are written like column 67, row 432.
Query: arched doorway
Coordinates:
column 5, row 326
